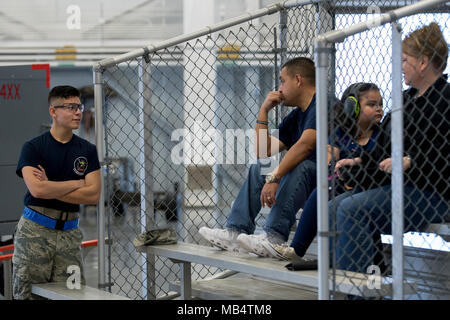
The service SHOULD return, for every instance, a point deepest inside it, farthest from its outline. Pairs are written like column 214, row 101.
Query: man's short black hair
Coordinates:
column 62, row 92
column 303, row 66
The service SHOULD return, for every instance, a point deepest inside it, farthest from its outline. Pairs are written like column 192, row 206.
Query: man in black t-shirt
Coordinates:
column 286, row 189
column 61, row 171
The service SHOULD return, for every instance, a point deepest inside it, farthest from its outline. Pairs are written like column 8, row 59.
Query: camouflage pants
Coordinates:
column 42, row 255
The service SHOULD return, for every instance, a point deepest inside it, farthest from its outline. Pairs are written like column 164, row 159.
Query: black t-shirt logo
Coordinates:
column 80, row 165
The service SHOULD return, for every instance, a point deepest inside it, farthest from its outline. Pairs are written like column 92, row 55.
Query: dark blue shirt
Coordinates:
column 348, row 147
column 62, row 161
column 297, row 121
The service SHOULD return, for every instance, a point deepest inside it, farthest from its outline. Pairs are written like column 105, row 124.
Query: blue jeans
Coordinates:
column 307, row 225
column 360, row 216
column 291, row 195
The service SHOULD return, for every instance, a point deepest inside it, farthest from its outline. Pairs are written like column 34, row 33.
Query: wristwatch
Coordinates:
column 271, row 178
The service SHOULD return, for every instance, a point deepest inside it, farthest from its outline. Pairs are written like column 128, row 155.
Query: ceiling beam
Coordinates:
column 14, row 21
column 120, row 15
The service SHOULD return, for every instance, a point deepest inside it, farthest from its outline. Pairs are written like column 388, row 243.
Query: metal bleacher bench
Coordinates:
column 59, row 291
column 441, row 229
column 268, row 268
column 268, row 274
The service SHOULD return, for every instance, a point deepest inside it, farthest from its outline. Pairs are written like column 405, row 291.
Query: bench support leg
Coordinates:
column 185, row 281
column 7, row 279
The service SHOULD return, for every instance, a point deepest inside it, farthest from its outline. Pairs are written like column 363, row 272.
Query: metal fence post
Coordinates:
column 321, row 60
column 146, row 158
column 217, row 174
column 283, row 47
column 397, row 163
column 98, row 102
column 325, row 21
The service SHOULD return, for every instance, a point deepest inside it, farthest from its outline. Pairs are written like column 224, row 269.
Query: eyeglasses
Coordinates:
column 73, row 107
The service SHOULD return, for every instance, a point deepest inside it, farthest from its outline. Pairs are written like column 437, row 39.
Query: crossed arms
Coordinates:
column 83, row 191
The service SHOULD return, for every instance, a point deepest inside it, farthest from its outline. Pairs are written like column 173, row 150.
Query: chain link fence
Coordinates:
column 360, row 213
column 178, row 130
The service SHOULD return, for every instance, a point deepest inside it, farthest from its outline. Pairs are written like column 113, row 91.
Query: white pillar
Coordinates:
column 199, row 90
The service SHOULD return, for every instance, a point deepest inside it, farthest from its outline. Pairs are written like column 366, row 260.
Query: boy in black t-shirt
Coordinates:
column 61, row 171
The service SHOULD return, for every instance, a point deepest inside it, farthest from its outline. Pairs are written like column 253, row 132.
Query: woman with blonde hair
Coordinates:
column 425, row 163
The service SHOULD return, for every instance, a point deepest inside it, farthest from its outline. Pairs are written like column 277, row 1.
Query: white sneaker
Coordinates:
column 221, row 238
column 282, row 252
column 253, row 243
column 286, row 252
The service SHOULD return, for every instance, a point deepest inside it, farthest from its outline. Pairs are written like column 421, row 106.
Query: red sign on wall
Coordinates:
column 10, row 91
column 45, row 67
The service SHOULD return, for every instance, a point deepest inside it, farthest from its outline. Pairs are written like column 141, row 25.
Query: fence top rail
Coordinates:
column 270, row 9
column 331, row 37
column 391, row 16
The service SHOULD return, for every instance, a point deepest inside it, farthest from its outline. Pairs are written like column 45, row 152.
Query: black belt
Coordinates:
column 55, row 214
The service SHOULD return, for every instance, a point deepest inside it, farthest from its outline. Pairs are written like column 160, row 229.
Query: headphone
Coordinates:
column 352, row 107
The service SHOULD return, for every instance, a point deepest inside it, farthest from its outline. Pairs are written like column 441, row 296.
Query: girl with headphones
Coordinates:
column 358, row 115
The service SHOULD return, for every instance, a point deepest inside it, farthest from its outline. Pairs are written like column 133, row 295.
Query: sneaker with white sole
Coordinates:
column 221, row 238
column 253, row 243
column 282, row 252
column 286, row 252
